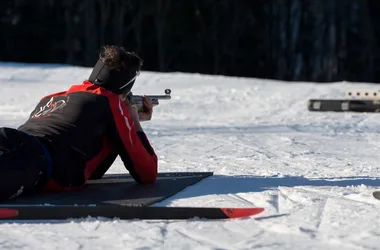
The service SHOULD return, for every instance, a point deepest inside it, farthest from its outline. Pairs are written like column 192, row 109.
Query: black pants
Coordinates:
column 22, row 163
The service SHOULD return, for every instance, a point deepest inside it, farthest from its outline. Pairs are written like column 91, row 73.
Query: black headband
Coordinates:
column 116, row 81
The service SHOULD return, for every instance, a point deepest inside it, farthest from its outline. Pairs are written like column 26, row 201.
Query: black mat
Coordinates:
column 118, row 189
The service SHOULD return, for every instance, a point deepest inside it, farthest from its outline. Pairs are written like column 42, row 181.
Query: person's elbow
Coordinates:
column 151, row 175
column 150, row 178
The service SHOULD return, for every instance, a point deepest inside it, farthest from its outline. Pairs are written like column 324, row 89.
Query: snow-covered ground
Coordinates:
column 313, row 172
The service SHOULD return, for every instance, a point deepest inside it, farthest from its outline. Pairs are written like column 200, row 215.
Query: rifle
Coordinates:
column 137, row 100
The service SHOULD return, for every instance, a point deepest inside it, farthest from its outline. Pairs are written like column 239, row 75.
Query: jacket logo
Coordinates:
column 51, row 106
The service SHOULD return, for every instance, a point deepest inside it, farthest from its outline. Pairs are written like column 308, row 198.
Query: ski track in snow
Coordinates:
column 313, row 172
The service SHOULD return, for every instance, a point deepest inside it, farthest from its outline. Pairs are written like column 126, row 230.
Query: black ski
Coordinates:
column 61, row 212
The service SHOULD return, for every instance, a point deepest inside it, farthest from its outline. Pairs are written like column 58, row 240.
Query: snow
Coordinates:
column 314, row 173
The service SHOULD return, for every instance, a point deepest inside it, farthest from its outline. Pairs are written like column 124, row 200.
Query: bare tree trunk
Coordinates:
column 367, row 37
column 203, row 32
column 282, row 66
column 90, row 31
column 342, row 22
column 295, row 22
column 69, row 34
column 235, row 32
column 118, row 27
column 273, row 38
column 215, row 43
column 331, row 58
column 105, row 6
column 137, row 25
column 318, row 40
column 161, row 12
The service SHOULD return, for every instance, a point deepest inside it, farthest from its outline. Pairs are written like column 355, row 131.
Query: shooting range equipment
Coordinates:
column 357, row 100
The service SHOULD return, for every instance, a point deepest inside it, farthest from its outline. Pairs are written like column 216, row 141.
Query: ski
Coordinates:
column 62, row 212
column 376, row 195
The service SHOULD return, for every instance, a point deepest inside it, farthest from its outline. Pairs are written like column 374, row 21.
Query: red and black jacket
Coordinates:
column 85, row 128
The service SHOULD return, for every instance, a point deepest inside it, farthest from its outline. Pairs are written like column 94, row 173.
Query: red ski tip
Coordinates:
column 241, row 212
column 7, row 213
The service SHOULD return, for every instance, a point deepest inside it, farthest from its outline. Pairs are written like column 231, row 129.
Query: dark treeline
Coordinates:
column 295, row 40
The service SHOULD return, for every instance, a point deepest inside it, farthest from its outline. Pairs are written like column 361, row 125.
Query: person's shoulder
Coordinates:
column 89, row 87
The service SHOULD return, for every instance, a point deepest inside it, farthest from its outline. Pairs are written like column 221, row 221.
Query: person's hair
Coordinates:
column 117, row 58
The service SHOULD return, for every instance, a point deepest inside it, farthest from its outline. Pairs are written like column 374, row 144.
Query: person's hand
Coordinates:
column 132, row 110
column 147, row 112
